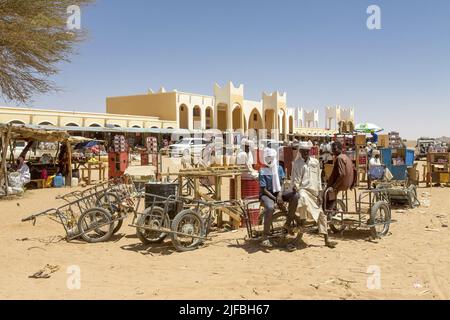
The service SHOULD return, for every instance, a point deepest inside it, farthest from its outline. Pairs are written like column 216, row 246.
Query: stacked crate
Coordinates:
column 394, row 140
column 152, row 148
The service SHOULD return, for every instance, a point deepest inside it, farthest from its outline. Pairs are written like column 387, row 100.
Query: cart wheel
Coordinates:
column 110, row 201
column 335, row 216
column 279, row 235
column 152, row 218
column 380, row 214
column 188, row 222
column 95, row 225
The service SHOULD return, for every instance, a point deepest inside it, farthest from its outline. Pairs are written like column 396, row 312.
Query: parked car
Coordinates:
column 188, row 146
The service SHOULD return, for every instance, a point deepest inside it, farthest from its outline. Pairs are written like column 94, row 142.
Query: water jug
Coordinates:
column 58, row 181
column 74, row 183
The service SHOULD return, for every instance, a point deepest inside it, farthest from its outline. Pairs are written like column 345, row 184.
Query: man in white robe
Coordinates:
column 306, row 180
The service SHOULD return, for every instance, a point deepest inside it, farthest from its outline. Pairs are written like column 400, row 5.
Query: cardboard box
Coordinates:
column 360, row 140
column 383, row 141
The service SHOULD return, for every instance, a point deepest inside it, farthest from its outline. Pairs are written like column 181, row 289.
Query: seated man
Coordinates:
column 271, row 176
column 306, row 179
column 24, row 170
column 343, row 177
column 376, row 169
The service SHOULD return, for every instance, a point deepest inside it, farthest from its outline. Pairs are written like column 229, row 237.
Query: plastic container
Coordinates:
column 58, row 181
column 74, row 182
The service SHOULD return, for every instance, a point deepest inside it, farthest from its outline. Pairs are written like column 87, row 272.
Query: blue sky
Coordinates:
column 320, row 52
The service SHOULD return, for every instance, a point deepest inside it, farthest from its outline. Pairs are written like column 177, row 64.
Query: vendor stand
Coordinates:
column 218, row 174
column 438, row 169
column 398, row 160
column 30, row 134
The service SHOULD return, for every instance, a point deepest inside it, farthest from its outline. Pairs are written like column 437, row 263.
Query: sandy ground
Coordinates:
column 413, row 260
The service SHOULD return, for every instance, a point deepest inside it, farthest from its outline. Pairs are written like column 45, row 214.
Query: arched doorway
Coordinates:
column 197, row 118
column 291, row 124
column 46, row 123
column 17, row 122
column 95, row 125
column 222, row 116
column 184, row 122
column 237, row 118
column 255, row 120
column 136, row 127
column 71, row 124
column 269, row 119
column 282, row 122
column 209, row 118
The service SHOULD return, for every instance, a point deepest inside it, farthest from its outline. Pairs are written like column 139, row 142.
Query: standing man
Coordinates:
column 374, row 137
column 306, row 180
column 270, row 181
column 245, row 158
column 343, row 177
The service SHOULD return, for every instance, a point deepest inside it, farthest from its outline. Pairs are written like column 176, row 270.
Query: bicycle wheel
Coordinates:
column 155, row 218
column 110, row 201
column 95, row 225
column 190, row 224
column 280, row 235
column 335, row 216
column 380, row 217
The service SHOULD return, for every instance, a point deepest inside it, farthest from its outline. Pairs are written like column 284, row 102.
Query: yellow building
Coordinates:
column 227, row 109
column 60, row 118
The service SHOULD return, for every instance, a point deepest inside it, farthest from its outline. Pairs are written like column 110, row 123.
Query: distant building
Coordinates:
column 227, row 109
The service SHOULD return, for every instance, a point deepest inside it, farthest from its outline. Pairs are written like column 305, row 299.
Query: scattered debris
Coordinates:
column 424, row 292
column 30, row 248
column 45, row 272
column 255, row 292
column 315, row 286
column 444, row 226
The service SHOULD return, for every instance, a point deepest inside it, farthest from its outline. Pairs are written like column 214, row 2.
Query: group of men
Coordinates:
column 304, row 195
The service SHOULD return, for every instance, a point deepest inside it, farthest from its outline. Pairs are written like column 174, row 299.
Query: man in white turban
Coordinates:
column 270, row 181
column 245, row 158
column 306, row 180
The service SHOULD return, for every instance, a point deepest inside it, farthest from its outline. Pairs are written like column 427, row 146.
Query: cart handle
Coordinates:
column 34, row 216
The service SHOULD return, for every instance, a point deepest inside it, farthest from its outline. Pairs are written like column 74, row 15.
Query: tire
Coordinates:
column 380, row 213
column 339, row 208
column 152, row 218
column 189, row 222
column 110, row 201
column 88, row 225
column 279, row 236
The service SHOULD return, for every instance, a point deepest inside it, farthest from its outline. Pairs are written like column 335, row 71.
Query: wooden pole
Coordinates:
column 5, row 144
column 69, row 155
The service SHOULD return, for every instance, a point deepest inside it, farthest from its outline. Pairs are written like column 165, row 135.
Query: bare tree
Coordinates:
column 34, row 38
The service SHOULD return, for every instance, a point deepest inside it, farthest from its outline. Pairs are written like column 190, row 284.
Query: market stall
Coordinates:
column 53, row 167
column 438, row 169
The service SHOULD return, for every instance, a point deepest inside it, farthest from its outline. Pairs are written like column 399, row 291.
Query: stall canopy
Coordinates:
column 9, row 132
column 367, row 127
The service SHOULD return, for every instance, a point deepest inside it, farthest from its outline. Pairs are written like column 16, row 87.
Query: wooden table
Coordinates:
column 218, row 173
column 89, row 167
